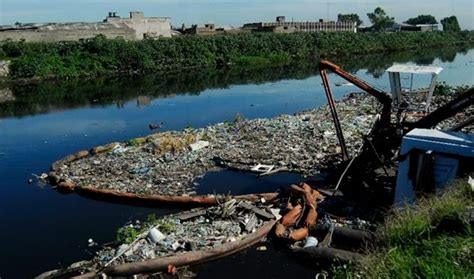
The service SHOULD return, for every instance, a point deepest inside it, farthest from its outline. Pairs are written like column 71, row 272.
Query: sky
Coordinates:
column 228, row 12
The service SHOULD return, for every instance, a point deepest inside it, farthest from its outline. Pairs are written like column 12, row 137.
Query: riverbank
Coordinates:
column 432, row 239
column 100, row 56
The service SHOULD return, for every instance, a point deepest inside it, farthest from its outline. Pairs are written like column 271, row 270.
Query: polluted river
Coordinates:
column 42, row 123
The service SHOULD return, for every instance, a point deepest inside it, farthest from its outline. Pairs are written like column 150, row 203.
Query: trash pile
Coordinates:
column 168, row 163
column 417, row 103
column 201, row 229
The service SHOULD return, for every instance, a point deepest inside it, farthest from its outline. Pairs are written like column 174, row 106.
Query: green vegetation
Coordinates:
column 349, row 17
column 433, row 239
column 443, row 88
column 451, row 24
column 135, row 141
column 422, row 19
column 380, row 20
column 164, row 225
column 100, row 56
column 127, row 234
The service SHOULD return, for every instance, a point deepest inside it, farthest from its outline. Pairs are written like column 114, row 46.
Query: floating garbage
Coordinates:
column 182, row 239
column 168, row 163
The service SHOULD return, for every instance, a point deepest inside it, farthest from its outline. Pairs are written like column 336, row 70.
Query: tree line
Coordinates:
column 381, row 21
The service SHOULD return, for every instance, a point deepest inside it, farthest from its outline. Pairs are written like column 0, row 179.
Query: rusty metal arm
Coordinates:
column 382, row 97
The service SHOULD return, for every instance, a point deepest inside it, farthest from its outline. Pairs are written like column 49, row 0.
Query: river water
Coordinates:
column 42, row 229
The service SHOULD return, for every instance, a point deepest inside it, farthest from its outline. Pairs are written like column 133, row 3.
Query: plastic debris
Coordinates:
column 200, row 144
column 262, row 168
column 194, row 230
column 311, row 241
column 155, row 235
column 262, row 248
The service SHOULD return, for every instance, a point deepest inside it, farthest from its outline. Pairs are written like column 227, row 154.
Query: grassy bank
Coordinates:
column 429, row 240
column 99, row 56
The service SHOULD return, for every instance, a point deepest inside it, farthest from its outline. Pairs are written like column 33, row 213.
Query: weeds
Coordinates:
column 135, row 141
column 414, row 246
column 127, row 234
column 167, row 142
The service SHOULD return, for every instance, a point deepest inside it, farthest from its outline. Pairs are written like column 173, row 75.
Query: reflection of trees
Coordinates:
column 49, row 96
column 377, row 63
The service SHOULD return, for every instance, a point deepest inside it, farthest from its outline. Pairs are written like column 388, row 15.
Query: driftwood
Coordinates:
column 190, row 214
column 260, row 212
column 330, row 254
column 195, row 257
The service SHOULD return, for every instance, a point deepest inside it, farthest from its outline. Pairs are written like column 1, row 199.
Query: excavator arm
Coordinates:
column 446, row 111
column 382, row 97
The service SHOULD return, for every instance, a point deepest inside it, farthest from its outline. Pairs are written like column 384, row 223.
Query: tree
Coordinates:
column 422, row 19
column 349, row 17
column 380, row 20
column 451, row 24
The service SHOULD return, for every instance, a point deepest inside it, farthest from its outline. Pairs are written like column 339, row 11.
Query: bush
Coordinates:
column 13, row 49
column 99, row 55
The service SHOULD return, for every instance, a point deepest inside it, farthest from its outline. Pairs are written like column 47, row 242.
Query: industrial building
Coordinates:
column 135, row 27
column 283, row 26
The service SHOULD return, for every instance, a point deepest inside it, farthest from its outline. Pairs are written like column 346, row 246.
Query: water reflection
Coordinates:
column 22, row 100
column 376, row 64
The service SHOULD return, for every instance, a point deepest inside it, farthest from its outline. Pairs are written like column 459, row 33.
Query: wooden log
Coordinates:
column 194, row 257
column 190, row 214
column 260, row 212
